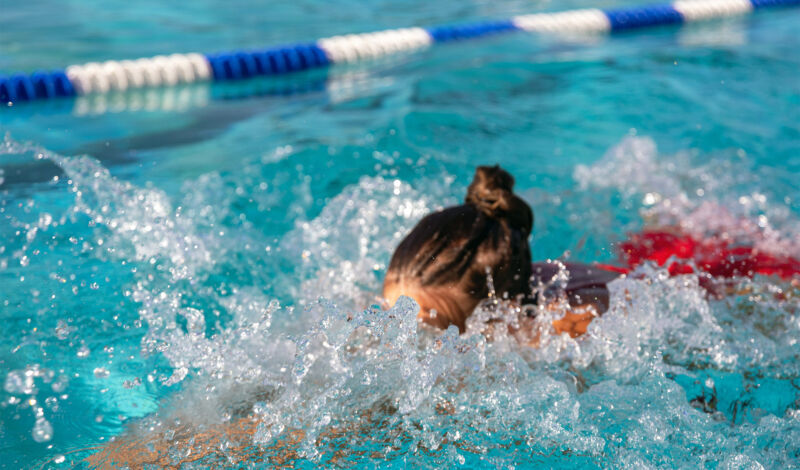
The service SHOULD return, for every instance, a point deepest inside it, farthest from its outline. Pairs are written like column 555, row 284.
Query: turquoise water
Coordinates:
column 209, row 252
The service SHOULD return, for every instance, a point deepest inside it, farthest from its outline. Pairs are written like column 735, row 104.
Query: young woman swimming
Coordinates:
column 447, row 263
column 449, row 259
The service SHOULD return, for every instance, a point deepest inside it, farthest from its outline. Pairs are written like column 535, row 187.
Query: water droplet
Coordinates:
column 101, row 372
column 132, row 383
column 63, row 330
column 42, row 430
column 60, row 384
column 20, row 382
column 83, row 351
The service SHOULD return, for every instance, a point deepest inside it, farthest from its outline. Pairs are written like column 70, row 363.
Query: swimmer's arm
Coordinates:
column 232, row 439
column 575, row 321
column 529, row 330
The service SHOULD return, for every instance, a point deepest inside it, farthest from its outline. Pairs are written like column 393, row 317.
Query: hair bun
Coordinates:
column 491, row 192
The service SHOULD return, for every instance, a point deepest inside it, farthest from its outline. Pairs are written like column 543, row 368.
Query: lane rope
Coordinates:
column 179, row 69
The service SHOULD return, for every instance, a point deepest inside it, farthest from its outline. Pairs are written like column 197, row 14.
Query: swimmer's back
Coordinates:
column 587, row 284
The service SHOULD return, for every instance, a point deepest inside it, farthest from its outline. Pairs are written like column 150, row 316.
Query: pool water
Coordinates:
column 184, row 258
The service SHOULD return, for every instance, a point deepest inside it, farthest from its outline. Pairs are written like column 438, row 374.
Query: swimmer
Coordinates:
column 447, row 264
column 449, row 259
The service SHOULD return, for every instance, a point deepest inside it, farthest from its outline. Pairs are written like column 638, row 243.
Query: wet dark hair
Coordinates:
column 449, row 252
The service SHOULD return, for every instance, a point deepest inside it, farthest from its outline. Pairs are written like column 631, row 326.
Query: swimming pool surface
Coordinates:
column 191, row 256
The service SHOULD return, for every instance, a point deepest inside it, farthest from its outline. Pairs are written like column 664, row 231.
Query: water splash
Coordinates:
column 712, row 198
column 665, row 378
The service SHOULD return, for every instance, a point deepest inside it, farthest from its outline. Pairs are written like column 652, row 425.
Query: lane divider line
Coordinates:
column 178, row 69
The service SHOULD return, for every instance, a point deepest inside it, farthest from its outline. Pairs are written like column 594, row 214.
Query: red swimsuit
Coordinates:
column 715, row 256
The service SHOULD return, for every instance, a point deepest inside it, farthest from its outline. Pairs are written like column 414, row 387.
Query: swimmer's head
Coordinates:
column 444, row 261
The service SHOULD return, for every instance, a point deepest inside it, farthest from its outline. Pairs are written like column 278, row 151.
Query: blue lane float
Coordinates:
column 275, row 61
column 176, row 69
column 469, row 30
column 653, row 15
